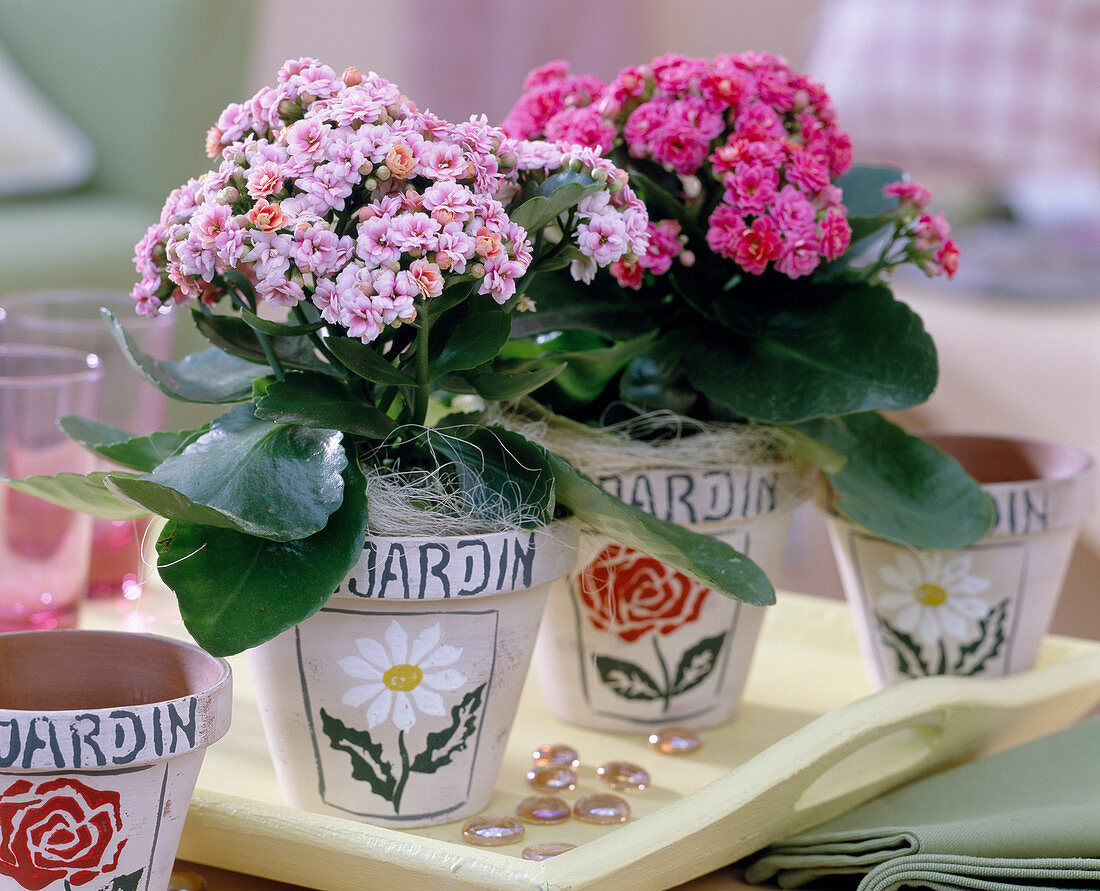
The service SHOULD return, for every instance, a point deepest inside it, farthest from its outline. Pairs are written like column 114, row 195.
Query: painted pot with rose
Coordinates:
column 630, row 643
column 101, row 739
column 393, row 704
column 980, row 610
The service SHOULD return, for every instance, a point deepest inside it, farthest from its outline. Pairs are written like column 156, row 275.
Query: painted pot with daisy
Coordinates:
column 394, row 702
column 983, row 609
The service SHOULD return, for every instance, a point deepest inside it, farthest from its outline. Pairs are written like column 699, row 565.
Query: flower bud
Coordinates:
column 382, row 173
column 687, row 258
column 599, row 174
column 366, row 168
column 230, row 195
column 575, row 165
column 477, row 270
column 370, row 184
column 289, row 110
column 351, row 76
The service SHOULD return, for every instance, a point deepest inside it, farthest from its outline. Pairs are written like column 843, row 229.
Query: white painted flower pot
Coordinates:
column 101, row 738
column 981, row 610
column 629, row 643
column 393, row 704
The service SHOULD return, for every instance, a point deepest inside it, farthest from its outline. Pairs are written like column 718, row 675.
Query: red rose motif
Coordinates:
column 626, row 592
column 58, row 829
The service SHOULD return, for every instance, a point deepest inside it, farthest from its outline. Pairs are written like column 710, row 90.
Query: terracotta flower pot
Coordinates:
column 393, row 704
column 629, row 643
column 981, row 610
column 101, row 739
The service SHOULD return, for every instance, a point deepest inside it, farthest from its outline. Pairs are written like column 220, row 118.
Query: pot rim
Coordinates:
column 1075, row 462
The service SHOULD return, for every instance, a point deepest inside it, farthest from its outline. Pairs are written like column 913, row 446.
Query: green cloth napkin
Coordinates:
column 1021, row 820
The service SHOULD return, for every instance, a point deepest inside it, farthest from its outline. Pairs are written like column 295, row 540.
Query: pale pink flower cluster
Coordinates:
column 337, row 190
column 746, row 129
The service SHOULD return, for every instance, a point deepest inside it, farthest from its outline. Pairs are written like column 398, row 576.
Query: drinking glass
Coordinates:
column 44, row 549
column 72, row 318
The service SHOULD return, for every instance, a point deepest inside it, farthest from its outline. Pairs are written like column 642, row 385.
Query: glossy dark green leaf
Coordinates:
column 475, row 340
column 589, row 371
column 899, row 486
column 277, row 481
column 602, row 307
column 703, row 557
column 496, row 385
column 363, row 359
column 136, row 452
column 862, row 189
column 504, row 474
column 558, row 194
column 212, row 376
column 314, row 400
column 861, row 351
column 279, row 329
column 236, row 591
column 235, row 336
column 85, row 493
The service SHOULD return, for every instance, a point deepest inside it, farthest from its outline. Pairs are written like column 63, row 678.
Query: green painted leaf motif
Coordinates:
column 697, row 663
column 626, row 679
column 442, row 745
column 212, row 376
column 899, row 486
column 142, row 453
column 702, row 557
column 976, row 654
column 277, row 481
column 910, row 662
column 367, row 763
column 476, row 339
column 364, row 361
column 237, row 591
column 86, row 493
column 322, row 402
column 130, row 882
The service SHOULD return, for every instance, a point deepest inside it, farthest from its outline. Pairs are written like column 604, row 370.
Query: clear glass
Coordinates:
column 44, row 549
column 73, row 318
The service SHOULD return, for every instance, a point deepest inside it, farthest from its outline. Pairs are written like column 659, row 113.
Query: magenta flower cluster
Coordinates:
column 747, row 138
column 338, row 190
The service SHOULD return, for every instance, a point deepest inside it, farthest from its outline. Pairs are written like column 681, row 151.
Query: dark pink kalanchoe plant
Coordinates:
column 761, row 296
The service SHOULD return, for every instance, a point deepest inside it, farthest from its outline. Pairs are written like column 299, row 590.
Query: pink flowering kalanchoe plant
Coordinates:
column 347, row 256
column 761, row 296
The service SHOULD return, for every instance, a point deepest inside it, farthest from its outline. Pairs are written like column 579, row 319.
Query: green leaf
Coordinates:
column 704, row 558
column 279, row 329
column 136, row 452
column 861, row 351
column 476, row 339
column 313, row 400
column 363, row 359
column 212, row 376
column 277, row 481
column 504, row 474
column 367, row 763
column 697, row 664
column 899, row 486
column 862, row 186
column 497, row 385
column 589, row 371
column 237, row 337
column 442, row 745
column 626, row 679
column 563, row 305
column 558, row 193
column 237, row 591
column 86, row 493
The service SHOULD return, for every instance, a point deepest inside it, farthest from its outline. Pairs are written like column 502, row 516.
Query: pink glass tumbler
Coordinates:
column 44, row 549
column 72, row 318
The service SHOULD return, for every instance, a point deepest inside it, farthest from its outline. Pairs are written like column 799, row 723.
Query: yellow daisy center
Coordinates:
column 402, row 678
column 929, row 594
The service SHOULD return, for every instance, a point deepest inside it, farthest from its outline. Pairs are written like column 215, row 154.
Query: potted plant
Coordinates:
column 348, row 257
column 758, row 318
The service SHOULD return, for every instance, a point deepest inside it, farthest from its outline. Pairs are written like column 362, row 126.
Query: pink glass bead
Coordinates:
column 558, row 753
column 552, row 778
column 543, row 809
column 624, row 776
column 675, row 740
column 545, row 850
column 490, row 830
column 601, row 808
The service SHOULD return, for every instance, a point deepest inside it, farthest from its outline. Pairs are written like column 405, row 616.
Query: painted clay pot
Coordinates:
column 101, row 738
column 393, row 704
column 980, row 610
column 629, row 643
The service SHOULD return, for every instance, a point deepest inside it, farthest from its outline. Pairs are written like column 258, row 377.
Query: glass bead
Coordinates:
column 558, row 753
column 182, row 880
column 624, row 776
column 552, row 778
column 601, row 808
column 543, row 809
column 545, row 850
column 675, row 740
column 490, row 830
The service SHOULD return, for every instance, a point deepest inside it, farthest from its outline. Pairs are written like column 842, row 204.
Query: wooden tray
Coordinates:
column 807, row 744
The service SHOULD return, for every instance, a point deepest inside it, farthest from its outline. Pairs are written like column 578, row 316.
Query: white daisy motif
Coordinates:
column 404, row 679
column 932, row 595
